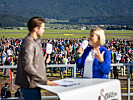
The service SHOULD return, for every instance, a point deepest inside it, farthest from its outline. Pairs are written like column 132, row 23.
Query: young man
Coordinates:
column 31, row 68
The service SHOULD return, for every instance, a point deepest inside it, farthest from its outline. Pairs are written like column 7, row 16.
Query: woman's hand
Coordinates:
column 99, row 56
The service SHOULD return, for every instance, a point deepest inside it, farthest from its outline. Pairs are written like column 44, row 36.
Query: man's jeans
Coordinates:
column 31, row 94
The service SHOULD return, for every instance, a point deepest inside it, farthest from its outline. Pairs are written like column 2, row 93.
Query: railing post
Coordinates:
column 52, row 71
column 74, row 72
column 128, row 83
column 108, row 76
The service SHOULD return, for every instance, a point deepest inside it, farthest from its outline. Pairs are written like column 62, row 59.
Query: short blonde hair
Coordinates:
column 100, row 33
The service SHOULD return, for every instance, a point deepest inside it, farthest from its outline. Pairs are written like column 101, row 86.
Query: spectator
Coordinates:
column 17, row 93
column 115, row 71
column 5, row 91
column 7, row 70
column 64, row 70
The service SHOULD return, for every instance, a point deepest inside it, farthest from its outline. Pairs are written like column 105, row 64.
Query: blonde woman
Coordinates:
column 95, row 59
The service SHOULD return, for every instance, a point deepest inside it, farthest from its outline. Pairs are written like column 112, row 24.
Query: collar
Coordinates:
column 36, row 40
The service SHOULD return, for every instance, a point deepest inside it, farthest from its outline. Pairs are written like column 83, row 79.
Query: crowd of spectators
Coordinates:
column 121, row 50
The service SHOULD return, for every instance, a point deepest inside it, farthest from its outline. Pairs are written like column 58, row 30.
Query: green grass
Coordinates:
column 65, row 31
column 118, row 31
column 60, row 33
column 12, row 35
column 47, row 31
column 16, row 35
column 13, row 31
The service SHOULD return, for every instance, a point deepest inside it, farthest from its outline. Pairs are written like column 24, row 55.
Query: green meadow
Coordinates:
column 63, row 33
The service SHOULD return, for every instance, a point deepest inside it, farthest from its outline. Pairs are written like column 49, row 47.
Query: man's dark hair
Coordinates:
column 35, row 22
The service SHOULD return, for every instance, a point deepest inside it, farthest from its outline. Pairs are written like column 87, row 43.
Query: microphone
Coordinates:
column 84, row 44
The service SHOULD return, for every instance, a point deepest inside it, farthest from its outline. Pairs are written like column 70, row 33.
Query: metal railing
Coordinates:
column 73, row 66
column 128, row 94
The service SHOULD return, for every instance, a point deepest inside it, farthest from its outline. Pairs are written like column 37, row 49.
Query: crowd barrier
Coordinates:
column 128, row 94
column 73, row 66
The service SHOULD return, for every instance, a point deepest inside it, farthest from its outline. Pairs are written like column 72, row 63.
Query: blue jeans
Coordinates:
column 31, row 93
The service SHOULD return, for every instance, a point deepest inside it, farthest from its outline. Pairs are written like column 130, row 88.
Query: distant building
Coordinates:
column 83, row 28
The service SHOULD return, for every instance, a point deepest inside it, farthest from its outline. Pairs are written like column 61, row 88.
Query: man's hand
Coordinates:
column 48, row 59
column 52, row 83
column 45, row 56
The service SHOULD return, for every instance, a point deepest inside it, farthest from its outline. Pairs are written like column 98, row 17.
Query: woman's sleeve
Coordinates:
column 79, row 63
column 106, row 64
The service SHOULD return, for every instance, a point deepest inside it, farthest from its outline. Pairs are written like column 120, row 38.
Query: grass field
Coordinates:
column 62, row 33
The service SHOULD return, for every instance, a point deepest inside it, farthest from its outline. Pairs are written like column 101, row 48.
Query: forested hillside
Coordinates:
column 77, row 11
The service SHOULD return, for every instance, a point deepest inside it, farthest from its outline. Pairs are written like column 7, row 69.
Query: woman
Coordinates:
column 95, row 59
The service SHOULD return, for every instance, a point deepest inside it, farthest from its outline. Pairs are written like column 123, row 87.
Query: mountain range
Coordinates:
column 68, row 9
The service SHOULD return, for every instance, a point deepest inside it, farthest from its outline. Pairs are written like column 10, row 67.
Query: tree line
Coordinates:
column 117, row 22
